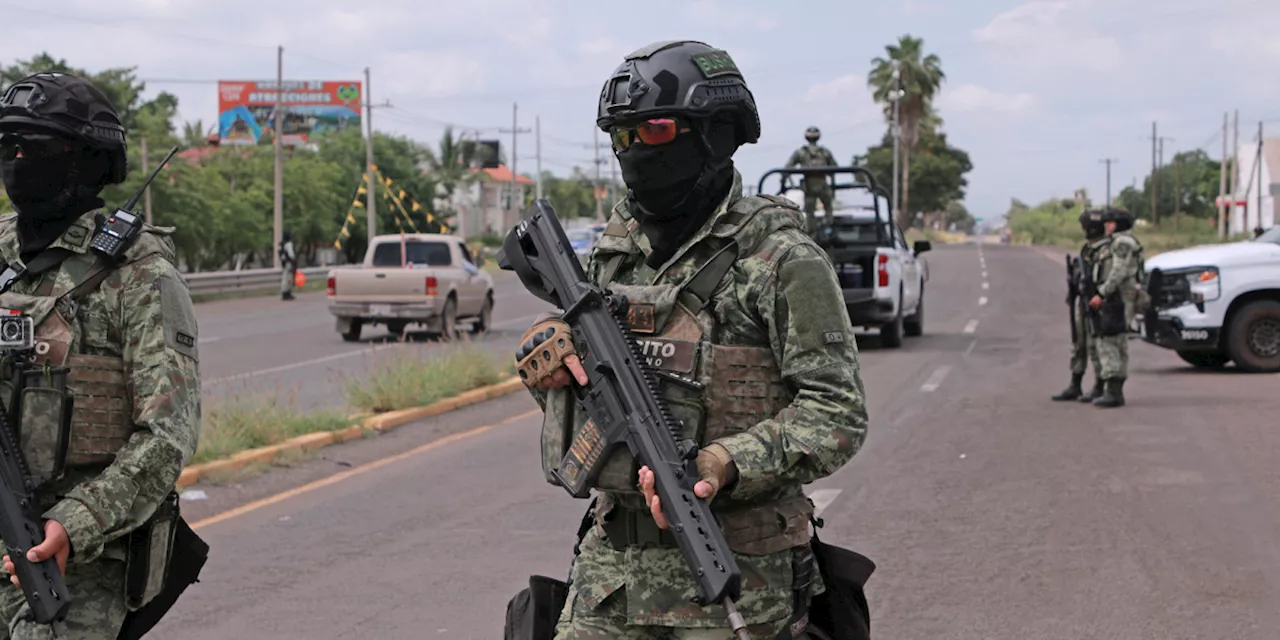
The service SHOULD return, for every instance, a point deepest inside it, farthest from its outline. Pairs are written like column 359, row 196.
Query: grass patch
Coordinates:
column 935, row 236
column 1060, row 227
column 413, row 380
column 248, row 422
column 318, row 283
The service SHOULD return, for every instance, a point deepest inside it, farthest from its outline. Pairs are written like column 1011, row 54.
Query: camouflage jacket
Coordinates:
column 143, row 314
column 812, row 155
column 1117, row 265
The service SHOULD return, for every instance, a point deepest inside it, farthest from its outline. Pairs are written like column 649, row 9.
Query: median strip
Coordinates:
column 255, row 432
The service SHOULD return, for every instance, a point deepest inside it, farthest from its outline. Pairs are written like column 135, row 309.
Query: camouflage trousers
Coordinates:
column 1085, row 348
column 644, row 594
column 811, row 197
column 286, row 281
column 1113, row 356
column 97, row 605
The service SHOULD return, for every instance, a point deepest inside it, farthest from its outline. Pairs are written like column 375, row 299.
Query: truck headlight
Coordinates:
column 1204, row 284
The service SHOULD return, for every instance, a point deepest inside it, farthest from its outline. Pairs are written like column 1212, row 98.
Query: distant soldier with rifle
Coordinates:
column 1117, row 272
column 99, row 377
column 1083, row 325
column 816, row 186
column 739, row 318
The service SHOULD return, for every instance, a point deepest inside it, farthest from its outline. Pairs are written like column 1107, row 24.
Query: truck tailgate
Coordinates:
column 380, row 285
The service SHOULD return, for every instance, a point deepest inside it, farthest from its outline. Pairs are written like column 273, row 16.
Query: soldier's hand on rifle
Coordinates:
column 1095, row 302
column 715, row 467
column 56, row 545
column 546, row 356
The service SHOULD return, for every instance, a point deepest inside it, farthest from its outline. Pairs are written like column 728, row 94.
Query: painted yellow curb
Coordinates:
column 379, row 422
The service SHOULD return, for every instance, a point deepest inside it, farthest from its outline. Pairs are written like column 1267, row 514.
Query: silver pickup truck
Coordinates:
column 420, row 279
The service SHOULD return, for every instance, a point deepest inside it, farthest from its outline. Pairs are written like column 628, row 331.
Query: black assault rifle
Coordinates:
column 623, row 402
column 1073, row 294
column 20, row 523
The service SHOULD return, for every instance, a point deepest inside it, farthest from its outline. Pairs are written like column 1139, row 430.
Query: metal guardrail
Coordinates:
column 215, row 282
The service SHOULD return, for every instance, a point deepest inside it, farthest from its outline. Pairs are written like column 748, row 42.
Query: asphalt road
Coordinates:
column 991, row 511
column 266, row 345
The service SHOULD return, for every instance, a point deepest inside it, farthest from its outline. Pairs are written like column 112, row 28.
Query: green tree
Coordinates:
column 959, row 216
column 939, row 176
column 919, row 76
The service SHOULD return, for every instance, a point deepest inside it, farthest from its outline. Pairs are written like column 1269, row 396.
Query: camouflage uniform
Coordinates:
column 1085, row 348
column 816, row 187
column 1116, row 272
column 131, row 348
column 783, row 395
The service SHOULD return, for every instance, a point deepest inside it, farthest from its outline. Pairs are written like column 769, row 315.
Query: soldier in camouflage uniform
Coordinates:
column 816, row 186
column 1117, row 274
column 1084, row 348
column 763, row 328
column 127, row 332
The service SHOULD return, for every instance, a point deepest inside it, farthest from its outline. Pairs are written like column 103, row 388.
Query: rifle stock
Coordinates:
column 622, row 401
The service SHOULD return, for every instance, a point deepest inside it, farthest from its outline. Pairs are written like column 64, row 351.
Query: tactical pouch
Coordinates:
column 189, row 554
column 533, row 613
column 44, row 423
column 841, row 612
column 1112, row 316
column 150, row 547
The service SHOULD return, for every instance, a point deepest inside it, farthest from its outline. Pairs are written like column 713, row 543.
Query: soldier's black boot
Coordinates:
column 1094, row 393
column 1111, row 395
column 1072, row 392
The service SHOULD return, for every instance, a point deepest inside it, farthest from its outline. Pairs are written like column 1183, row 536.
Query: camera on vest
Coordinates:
column 17, row 332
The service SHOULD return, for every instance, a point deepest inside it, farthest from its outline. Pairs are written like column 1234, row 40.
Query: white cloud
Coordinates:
column 432, row 73
column 730, row 16
column 845, row 86
column 972, row 97
column 918, row 8
column 1052, row 34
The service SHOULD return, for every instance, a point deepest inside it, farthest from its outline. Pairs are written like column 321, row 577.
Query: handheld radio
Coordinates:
column 116, row 232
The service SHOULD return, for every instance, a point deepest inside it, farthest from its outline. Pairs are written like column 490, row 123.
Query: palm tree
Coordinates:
column 193, row 134
column 921, row 76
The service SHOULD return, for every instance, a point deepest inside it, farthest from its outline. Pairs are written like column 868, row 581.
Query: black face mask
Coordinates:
column 662, row 177
column 49, row 193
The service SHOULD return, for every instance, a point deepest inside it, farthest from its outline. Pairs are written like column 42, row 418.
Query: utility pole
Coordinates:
column 537, row 127
column 515, row 131
column 1234, row 181
column 1177, row 190
column 371, row 209
column 1222, row 183
column 145, row 170
column 1154, row 216
column 1108, row 162
column 599, row 202
column 279, row 153
column 897, row 134
column 1249, row 229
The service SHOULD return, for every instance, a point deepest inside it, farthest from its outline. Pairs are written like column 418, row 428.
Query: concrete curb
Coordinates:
column 379, row 422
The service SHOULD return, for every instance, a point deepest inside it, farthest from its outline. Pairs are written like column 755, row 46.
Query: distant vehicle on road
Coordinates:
column 422, row 279
column 582, row 240
column 881, row 275
column 1219, row 303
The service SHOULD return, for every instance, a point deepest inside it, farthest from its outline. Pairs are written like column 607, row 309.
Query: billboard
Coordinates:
column 246, row 110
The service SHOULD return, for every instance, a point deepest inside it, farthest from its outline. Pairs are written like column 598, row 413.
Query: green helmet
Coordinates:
column 678, row 78
column 68, row 106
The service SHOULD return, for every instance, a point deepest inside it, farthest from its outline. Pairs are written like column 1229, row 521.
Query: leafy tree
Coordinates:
column 939, row 178
column 919, row 76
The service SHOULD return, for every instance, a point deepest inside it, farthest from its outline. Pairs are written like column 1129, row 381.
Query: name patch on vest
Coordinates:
column 640, row 317
column 832, row 337
column 670, row 355
column 184, row 339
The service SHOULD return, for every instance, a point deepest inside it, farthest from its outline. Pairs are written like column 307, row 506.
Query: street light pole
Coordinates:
column 897, row 134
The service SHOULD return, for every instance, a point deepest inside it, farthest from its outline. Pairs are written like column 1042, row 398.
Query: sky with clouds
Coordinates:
column 1038, row 92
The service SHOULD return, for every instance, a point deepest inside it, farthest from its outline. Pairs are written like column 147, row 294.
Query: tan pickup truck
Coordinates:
column 420, row 279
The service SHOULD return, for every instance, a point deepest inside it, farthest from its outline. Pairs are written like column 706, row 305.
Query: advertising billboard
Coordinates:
column 246, row 110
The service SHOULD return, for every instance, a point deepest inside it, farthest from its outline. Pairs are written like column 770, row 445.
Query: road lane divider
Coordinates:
column 935, row 379
column 376, row 423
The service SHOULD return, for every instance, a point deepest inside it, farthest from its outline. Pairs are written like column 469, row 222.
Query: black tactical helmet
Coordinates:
column 68, row 106
column 1091, row 223
column 1122, row 218
column 812, row 134
column 678, row 78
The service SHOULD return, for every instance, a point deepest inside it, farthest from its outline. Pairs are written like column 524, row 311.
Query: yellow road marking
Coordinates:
column 364, row 468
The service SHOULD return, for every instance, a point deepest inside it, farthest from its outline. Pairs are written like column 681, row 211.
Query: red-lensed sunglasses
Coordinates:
column 32, row 145
column 657, row 131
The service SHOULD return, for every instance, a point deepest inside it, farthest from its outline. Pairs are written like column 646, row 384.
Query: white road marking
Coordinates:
column 822, row 498
column 209, row 339
column 972, row 326
column 982, row 302
column 986, row 285
column 984, row 275
column 971, row 346
column 935, row 380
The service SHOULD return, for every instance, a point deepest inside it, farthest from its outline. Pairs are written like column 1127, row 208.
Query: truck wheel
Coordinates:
column 914, row 325
column 1203, row 360
column 1253, row 337
column 485, row 319
column 353, row 335
column 449, row 320
column 891, row 333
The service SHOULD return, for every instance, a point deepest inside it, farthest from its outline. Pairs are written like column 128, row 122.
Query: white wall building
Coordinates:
column 1243, row 219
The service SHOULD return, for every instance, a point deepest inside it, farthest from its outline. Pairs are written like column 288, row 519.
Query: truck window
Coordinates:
column 430, row 254
column 466, row 253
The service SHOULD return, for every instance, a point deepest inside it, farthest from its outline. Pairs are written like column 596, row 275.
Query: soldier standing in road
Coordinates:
column 816, row 186
column 127, row 332
column 1116, row 273
column 288, row 265
column 772, row 315
column 1084, row 348
column 1130, row 294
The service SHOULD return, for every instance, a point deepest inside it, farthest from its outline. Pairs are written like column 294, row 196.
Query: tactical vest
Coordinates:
column 676, row 327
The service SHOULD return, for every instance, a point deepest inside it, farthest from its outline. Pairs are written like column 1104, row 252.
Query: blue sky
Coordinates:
column 1037, row 92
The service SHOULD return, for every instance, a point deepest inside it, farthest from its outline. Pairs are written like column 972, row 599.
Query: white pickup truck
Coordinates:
column 1216, row 304
column 421, row 279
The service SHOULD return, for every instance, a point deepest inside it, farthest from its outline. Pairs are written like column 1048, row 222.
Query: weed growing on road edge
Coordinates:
column 415, row 379
column 245, row 422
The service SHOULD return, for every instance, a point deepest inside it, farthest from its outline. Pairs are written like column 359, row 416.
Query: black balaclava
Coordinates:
column 675, row 187
column 51, row 193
